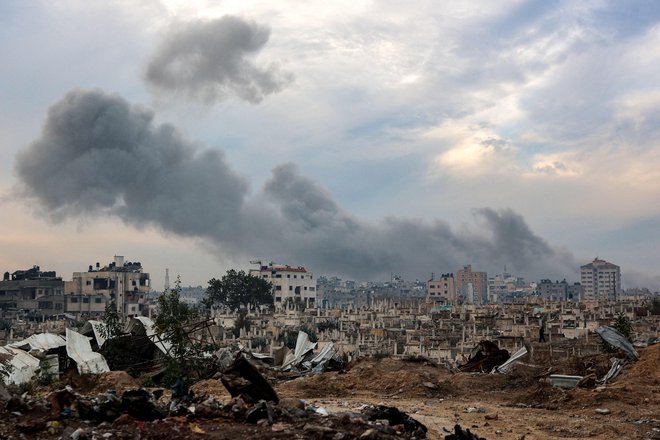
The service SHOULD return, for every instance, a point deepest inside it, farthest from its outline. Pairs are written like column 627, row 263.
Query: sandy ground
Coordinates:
column 515, row 406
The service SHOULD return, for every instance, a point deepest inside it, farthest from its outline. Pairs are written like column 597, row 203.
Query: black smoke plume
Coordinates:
column 100, row 155
column 210, row 60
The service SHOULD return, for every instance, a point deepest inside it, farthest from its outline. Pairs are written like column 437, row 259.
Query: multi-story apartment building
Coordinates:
column 601, row 280
column 289, row 283
column 120, row 282
column 471, row 286
column 442, row 289
column 559, row 290
column 35, row 292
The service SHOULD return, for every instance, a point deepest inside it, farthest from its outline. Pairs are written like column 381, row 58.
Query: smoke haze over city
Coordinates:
column 354, row 139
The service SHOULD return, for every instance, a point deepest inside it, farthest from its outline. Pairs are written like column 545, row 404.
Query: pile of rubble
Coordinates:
column 254, row 411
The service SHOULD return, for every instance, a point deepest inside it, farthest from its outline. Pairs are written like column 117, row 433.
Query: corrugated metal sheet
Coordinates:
column 23, row 365
column 79, row 349
column 613, row 337
column 506, row 366
column 41, row 341
column 97, row 328
column 144, row 325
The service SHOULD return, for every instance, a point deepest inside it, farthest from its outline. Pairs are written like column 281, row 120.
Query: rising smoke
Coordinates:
column 211, row 60
column 98, row 154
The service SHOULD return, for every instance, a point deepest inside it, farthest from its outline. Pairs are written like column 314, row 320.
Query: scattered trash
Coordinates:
column 617, row 367
column 460, row 434
column 603, row 411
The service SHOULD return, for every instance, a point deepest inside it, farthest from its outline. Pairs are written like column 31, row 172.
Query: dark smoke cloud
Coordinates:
column 210, row 60
column 97, row 154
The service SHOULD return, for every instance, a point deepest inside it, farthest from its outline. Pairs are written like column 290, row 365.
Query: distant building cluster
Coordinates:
column 40, row 294
column 599, row 280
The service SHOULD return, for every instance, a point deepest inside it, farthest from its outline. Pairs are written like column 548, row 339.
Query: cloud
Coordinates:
column 100, row 155
column 210, row 60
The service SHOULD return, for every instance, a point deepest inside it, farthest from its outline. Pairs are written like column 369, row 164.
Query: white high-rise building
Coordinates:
column 601, row 280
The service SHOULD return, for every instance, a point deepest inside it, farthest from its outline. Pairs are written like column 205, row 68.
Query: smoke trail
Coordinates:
column 98, row 154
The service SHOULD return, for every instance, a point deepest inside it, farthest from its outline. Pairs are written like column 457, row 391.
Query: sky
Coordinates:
column 356, row 138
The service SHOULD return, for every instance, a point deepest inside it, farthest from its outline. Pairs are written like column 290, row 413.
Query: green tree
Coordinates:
column 112, row 321
column 238, row 290
column 624, row 326
column 171, row 324
column 242, row 321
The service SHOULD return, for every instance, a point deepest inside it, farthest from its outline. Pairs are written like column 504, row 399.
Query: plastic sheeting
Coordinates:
column 79, row 349
column 24, row 365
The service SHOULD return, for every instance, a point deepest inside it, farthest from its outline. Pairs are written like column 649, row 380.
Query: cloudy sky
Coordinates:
column 357, row 138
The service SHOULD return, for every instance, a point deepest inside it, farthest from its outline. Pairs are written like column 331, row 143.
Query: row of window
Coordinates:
column 85, row 300
column 279, row 275
column 311, row 289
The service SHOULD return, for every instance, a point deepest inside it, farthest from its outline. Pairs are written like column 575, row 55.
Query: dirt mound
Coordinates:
column 211, row 388
column 646, row 368
column 115, row 380
column 386, row 377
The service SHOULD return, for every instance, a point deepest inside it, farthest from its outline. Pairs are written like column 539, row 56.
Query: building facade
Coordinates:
column 119, row 282
column 472, row 287
column 442, row 289
column 601, row 280
column 36, row 293
column 559, row 290
column 289, row 284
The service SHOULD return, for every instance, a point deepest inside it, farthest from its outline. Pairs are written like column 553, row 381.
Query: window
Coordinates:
column 98, row 300
column 295, row 276
column 288, row 275
column 86, row 300
column 290, row 287
column 305, row 287
column 312, row 288
column 88, row 282
column 265, row 275
column 278, row 287
column 73, row 300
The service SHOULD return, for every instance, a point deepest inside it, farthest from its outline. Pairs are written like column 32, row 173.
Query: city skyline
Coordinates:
column 351, row 138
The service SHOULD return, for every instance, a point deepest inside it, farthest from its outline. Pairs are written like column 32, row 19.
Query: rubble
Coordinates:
column 485, row 357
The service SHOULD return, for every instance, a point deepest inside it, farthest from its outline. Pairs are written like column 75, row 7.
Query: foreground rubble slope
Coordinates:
column 494, row 406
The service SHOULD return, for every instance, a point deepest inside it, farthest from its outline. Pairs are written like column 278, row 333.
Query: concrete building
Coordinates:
column 120, row 282
column 442, row 289
column 35, row 292
column 559, row 290
column 289, row 283
column 601, row 280
column 472, row 287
